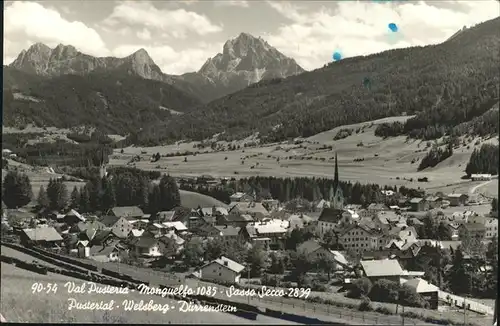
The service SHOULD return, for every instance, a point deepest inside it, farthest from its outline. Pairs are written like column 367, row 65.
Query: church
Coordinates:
column 334, row 214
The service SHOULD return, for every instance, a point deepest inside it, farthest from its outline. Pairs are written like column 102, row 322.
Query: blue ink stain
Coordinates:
column 337, row 56
column 393, row 27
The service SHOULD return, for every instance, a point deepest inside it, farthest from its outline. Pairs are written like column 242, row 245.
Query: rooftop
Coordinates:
column 127, row 211
column 43, row 234
column 378, row 268
column 228, row 263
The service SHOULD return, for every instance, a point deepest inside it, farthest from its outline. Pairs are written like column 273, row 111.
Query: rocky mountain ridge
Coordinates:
column 245, row 60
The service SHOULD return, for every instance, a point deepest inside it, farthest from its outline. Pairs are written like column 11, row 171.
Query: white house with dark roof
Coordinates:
column 120, row 226
column 328, row 220
column 222, row 270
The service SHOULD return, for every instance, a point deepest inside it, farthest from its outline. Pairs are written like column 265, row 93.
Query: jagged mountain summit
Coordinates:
column 244, row 60
column 66, row 59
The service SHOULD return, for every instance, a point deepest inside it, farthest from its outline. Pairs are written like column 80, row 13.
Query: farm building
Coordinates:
column 481, row 177
column 426, row 290
column 73, row 218
column 388, row 269
column 45, row 237
column 241, row 197
column 418, row 205
column 434, row 201
column 106, row 253
column 222, row 269
column 457, row 199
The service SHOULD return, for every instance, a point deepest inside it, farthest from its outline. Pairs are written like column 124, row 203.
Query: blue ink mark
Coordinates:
column 337, row 56
column 393, row 27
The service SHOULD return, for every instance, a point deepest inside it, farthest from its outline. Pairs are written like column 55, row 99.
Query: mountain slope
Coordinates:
column 443, row 84
column 245, row 60
column 115, row 102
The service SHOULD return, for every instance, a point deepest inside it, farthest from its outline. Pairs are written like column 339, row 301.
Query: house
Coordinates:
column 272, row 205
column 206, row 230
column 472, row 230
column 300, row 221
column 145, row 246
column 491, row 228
column 426, row 290
column 359, row 237
column 476, row 218
column 171, row 235
column 156, row 229
column 481, row 177
column 322, row 204
column 222, row 270
column 241, row 197
column 228, row 231
column 235, row 219
column 73, row 217
column 418, row 204
column 135, row 233
column 388, row 269
column 434, row 201
column 165, row 216
column 83, row 249
column 44, row 236
column 328, row 220
column 129, row 212
column 271, row 234
column 213, row 211
column 256, row 210
column 457, row 199
column 102, row 237
column 107, row 253
column 120, row 226
column 316, row 251
column 177, row 226
column 374, row 208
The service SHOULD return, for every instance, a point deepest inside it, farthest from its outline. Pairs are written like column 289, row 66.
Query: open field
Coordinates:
column 385, row 160
column 39, row 176
column 19, row 304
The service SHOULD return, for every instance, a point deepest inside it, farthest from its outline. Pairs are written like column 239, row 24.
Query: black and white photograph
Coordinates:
column 250, row 162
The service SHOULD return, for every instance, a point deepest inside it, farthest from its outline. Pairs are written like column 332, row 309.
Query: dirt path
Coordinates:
column 472, row 190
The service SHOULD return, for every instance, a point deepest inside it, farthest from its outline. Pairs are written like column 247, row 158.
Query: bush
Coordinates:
column 361, row 287
column 365, row 305
column 384, row 291
column 383, row 310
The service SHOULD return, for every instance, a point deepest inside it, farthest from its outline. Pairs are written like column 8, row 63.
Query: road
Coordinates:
column 473, row 189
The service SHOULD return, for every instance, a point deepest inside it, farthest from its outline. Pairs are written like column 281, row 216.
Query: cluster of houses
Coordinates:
column 382, row 237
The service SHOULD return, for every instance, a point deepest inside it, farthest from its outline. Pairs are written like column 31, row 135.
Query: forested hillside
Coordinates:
column 484, row 160
column 116, row 103
column 445, row 85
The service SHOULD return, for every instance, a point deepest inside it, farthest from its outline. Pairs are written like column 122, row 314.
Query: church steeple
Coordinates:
column 338, row 200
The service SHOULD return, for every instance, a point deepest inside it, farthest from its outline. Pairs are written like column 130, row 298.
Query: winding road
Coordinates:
column 472, row 190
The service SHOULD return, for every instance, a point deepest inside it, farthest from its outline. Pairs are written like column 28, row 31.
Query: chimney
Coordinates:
column 225, row 262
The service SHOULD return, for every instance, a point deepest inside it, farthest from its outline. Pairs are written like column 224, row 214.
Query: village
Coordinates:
column 334, row 249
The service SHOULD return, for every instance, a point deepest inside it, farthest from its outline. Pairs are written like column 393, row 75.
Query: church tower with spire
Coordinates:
column 337, row 201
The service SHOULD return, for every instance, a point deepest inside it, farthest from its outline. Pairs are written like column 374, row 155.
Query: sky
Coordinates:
column 181, row 35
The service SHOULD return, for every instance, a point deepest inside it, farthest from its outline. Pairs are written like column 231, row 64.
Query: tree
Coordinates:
column 329, row 238
column 214, row 249
column 301, row 264
column 458, row 276
column 170, row 194
column 17, row 190
column 193, row 252
column 327, row 264
column 443, row 232
column 384, row 291
column 360, row 288
column 108, row 198
column 84, row 203
column 75, row 198
column 277, row 265
column 43, row 199
column 57, row 193
column 494, row 205
column 257, row 260
column 170, row 247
